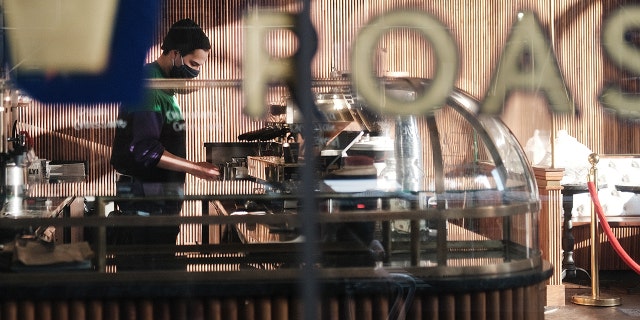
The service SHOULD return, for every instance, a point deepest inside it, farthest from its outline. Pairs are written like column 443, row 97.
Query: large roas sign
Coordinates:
column 527, row 63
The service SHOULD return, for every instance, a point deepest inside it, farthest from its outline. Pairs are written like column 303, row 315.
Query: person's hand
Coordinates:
column 207, row 171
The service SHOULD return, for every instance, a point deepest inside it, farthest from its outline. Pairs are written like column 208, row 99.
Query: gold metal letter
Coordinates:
column 623, row 54
column 259, row 68
column 446, row 54
column 528, row 64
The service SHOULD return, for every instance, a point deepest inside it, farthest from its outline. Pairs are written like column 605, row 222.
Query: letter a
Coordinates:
column 527, row 64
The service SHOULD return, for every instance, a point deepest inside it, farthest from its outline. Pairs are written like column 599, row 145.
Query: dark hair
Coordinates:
column 185, row 36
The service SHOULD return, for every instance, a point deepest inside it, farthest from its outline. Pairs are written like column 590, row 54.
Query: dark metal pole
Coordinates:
column 308, row 281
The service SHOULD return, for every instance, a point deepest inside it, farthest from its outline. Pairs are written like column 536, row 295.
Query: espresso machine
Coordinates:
column 16, row 155
column 347, row 124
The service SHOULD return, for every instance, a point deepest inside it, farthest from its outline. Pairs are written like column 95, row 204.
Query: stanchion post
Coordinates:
column 595, row 299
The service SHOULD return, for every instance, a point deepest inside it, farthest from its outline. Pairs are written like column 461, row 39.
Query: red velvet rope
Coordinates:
column 607, row 230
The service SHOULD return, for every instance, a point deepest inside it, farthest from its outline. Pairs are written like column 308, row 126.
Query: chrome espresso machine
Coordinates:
column 273, row 154
column 16, row 154
column 353, row 141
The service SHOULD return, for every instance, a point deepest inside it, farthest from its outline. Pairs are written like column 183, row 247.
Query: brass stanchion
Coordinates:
column 595, row 299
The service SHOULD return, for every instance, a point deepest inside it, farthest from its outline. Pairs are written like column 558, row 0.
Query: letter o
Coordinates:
column 446, row 63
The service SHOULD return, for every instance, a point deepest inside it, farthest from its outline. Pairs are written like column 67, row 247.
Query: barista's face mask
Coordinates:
column 183, row 71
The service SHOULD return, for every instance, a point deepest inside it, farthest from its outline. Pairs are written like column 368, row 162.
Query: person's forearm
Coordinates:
column 203, row 170
column 169, row 161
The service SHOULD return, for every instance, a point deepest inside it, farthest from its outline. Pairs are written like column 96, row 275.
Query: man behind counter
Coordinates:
column 149, row 150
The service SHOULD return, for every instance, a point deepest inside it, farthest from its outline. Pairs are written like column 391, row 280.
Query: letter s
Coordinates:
column 624, row 55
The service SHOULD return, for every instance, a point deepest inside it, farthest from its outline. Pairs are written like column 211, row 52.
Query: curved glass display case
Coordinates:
column 454, row 194
column 449, row 193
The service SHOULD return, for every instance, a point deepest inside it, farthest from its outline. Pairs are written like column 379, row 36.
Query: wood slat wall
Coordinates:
column 480, row 29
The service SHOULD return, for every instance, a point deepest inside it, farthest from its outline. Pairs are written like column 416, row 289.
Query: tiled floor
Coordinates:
column 613, row 284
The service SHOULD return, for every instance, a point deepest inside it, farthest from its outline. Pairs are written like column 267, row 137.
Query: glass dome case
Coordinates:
column 455, row 193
